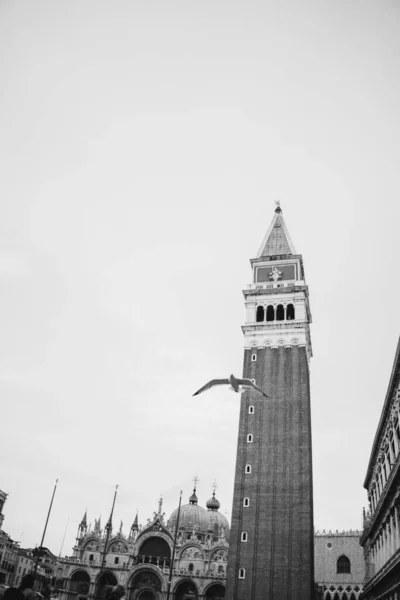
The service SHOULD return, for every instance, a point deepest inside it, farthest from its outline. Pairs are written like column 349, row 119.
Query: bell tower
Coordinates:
column 271, row 551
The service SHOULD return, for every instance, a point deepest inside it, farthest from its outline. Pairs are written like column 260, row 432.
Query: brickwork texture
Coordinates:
column 278, row 556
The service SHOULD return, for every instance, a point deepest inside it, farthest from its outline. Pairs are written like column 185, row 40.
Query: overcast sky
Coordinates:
column 143, row 146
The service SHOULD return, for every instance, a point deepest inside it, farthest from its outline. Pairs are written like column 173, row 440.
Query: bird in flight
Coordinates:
column 236, row 385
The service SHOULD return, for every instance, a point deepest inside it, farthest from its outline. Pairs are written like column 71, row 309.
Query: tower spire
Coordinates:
column 277, row 240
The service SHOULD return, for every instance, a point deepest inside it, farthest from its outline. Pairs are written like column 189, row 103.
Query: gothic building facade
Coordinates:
column 271, row 554
column 381, row 536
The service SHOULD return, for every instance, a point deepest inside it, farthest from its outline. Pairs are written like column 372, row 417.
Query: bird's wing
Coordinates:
column 250, row 383
column 211, row 384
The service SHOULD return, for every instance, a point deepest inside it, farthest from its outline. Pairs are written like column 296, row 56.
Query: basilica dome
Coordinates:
column 191, row 517
column 203, row 522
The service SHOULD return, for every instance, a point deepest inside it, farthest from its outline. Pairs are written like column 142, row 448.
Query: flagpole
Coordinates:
column 108, row 530
column 63, row 540
column 174, row 547
column 44, row 530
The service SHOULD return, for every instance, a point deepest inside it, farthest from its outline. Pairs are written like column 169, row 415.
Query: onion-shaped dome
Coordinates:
column 213, row 503
column 191, row 517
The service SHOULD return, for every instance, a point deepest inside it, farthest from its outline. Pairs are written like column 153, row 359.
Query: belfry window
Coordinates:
column 270, row 313
column 280, row 312
column 290, row 312
column 260, row 314
column 246, row 502
column 242, row 573
column 247, row 469
column 244, row 536
column 343, row 564
column 251, row 410
column 249, row 438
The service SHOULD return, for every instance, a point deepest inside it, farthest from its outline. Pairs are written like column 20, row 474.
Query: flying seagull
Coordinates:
column 236, row 385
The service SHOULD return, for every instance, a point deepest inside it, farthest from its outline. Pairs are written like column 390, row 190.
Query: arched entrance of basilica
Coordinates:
column 146, row 595
column 79, row 585
column 215, row 592
column 145, row 585
column 186, row 591
column 104, row 585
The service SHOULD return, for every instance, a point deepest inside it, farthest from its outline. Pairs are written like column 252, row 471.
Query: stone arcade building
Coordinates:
column 381, row 536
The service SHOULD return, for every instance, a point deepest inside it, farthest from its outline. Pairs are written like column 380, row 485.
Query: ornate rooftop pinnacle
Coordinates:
column 135, row 525
column 193, row 498
column 213, row 503
column 83, row 523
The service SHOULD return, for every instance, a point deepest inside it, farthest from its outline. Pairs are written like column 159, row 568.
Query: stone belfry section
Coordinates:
column 271, row 545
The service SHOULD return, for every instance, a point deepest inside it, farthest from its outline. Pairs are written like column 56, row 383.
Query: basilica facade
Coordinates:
column 142, row 560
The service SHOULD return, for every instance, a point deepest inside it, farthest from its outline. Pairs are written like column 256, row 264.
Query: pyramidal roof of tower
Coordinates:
column 277, row 239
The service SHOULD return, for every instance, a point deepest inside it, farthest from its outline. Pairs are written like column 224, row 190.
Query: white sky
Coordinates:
column 143, row 145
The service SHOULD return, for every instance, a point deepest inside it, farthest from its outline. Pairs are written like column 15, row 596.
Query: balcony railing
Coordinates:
column 269, row 285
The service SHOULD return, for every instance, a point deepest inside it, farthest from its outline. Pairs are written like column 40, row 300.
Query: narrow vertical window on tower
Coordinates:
column 251, row 410
column 290, row 312
column 242, row 573
column 244, row 536
column 270, row 313
column 249, row 438
column 280, row 312
column 260, row 314
column 253, row 357
column 247, row 469
column 246, row 502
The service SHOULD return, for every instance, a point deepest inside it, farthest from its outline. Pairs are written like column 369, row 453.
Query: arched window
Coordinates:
column 251, row 410
column 253, row 357
column 290, row 312
column 243, row 537
column 220, row 569
column 280, row 312
column 191, row 568
column 250, row 437
column 246, row 502
column 91, row 557
column 343, row 564
column 247, row 469
column 270, row 313
column 116, row 560
column 260, row 314
column 242, row 573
